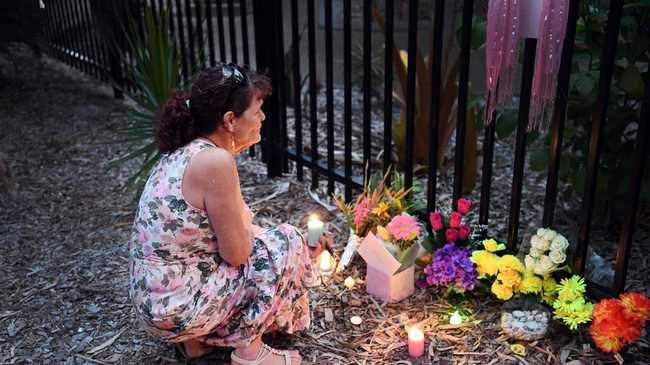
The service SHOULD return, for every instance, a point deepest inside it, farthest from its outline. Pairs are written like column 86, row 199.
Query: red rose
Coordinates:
column 451, row 234
column 464, row 205
column 463, row 232
column 454, row 219
column 435, row 218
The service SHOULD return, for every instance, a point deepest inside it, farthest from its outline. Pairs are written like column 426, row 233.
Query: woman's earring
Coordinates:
column 232, row 143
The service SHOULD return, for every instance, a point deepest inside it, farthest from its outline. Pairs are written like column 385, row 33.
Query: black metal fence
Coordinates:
column 74, row 39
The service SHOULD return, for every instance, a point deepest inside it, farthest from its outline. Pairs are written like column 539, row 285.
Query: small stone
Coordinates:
column 517, row 314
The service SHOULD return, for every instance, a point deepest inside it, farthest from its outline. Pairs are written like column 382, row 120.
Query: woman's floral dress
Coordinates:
column 183, row 290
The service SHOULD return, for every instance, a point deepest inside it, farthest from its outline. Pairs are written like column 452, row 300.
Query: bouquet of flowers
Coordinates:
column 451, row 229
column 451, row 267
column 507, row 271
column 547, row 251
column 377, row 205
column 618, row 322
column 400, row 237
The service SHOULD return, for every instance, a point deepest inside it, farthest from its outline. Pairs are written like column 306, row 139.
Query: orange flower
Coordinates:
column 605, row 342
column 612, row 326
column 637, row 306
column 607, row 308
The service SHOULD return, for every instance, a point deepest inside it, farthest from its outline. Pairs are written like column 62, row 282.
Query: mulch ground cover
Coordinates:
column 65, row 225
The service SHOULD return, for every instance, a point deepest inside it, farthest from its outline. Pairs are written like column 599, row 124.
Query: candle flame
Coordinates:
column 456, row 318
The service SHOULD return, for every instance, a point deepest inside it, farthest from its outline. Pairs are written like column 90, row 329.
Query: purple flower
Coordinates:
column 451, row 266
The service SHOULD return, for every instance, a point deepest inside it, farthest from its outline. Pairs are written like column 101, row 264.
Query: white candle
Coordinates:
column 349, row 282
column 455, row 318
column 315, row 229
column 325, row 262
column 416, row 342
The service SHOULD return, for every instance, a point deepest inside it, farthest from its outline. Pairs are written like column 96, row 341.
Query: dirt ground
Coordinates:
column 64, row 228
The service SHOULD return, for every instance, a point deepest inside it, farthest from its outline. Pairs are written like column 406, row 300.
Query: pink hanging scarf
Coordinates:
column 501, row 61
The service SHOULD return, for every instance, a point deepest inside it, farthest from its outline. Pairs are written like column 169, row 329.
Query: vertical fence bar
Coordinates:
column 313, row 118
column 76, row 36
column 48, row 31
column 101, row 63
column 434, row 117
column 486, row 174
column 347, row 103
column 267, row 21
column 367, row 57
column 199, row 34
column 607, row 64
column 82, row 34
column 297, row 105
column 57, row 34
column 329, row 75
column 559, row 115
column 191, row 34
column 639, row 161
column 71, row 47
column 520, row 149
column 93, row 55
column 233, row 34
column 208, row 16
column 463, row 91
column 220, row 28
column 410, row 92
column 283, row 96
column 181, row 39
column 244, row 31
column 388, row 84
column 65, row 36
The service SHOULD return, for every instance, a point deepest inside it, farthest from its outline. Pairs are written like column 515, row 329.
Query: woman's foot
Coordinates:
column 259, row 353
column 192, row 349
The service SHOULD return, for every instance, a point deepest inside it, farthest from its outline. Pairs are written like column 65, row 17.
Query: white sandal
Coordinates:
column 261, row 356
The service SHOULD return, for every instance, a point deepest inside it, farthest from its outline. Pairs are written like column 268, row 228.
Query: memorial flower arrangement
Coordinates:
column 506, row 273
column 619, row 322
column 547, row 252
column 400, row 234
column 451, row 229
column 377, row 204
column 452, row 268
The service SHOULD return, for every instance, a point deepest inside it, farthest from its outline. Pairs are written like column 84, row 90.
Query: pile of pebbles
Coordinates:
column 526, row 325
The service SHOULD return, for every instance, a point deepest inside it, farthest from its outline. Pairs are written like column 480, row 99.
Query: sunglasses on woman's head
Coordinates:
column 231, row 70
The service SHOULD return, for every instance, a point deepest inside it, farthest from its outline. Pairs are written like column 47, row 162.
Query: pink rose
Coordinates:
column 435, row 218
column 454, row 219
column 463, row 232
column 451, row 234
column 464, row 205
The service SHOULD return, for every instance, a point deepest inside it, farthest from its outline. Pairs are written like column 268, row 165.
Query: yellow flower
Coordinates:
column 511, row 262
column 487, row 263
column 549, row 285
column 492, row 246
column 383, row 233
column 531, row 283
column 501, row 291
column 518, row 349
column 571, row 289
column 381, row 210
column 510, row 278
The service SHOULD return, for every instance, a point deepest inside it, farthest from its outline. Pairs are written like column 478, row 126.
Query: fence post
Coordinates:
column 267, row 21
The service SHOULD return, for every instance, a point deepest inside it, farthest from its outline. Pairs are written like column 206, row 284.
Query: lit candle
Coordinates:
column 349, row 282
column 416, row 342
column 455, row 318
column 314, row 230
column 325, row 263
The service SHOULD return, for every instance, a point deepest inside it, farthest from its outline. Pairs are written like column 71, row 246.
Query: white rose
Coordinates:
column 540, row 231
column 560, row 243
column 544, row 265
column 530, row 262
column 535, row 253
column 539, row 243
column 549, row 235
column 557, row 257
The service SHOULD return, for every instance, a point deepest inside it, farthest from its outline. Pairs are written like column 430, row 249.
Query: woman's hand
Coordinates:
column 326, row 241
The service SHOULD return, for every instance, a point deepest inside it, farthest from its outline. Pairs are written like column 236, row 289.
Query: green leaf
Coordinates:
column 408, row 258
column 506, row 123
column 632, row 82
column 538, row 160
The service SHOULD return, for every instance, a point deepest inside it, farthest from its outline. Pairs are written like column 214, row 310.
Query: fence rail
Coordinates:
column 199, row 29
